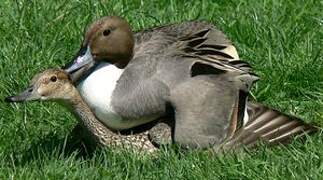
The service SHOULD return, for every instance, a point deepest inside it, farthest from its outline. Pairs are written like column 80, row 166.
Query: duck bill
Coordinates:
column 83, row 59
column 27, row 95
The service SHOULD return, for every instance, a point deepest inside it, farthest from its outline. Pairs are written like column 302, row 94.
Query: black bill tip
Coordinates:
column 9, row 99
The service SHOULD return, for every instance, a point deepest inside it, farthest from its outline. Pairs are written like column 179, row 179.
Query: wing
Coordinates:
column 197, row 40
column 190, row 35
column 269, row 126
column 208, row 109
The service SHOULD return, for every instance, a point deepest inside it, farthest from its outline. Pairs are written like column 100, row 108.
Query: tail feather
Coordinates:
column 269, row 126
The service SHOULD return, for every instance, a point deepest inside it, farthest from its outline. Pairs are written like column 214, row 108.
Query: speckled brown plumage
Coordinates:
column 54, row 84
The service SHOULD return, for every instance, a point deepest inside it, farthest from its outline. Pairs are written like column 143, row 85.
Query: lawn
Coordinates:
column 281, row 39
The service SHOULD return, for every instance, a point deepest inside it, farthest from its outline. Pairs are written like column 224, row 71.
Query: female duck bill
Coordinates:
column 26, row 95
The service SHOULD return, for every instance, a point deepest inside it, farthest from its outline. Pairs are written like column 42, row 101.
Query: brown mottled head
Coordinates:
column 49, row 84
column 108, row 39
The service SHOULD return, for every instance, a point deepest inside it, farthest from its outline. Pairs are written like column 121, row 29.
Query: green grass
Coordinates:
column 282, row 39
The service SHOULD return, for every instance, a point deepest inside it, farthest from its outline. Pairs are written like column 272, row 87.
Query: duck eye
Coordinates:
column 53, row 78
column 106, row 32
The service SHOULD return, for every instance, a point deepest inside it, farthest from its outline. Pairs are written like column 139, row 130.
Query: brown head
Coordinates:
column 51, row 84
column 108, row 39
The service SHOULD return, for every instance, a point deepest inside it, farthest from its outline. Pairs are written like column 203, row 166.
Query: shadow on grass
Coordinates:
column 53, row 146
column 77, row 144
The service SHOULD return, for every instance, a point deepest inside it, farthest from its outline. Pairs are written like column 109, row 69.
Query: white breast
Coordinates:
column 97, row 89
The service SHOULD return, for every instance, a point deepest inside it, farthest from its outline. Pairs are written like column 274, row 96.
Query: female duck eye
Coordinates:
column 106, row 32
column 53, row 78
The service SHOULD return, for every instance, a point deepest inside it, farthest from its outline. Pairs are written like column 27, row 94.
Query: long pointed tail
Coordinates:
column 269, row 126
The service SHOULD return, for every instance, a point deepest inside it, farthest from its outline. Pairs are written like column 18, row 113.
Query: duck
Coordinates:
column 190, row 71
column 55, row 85
column 271, row 127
